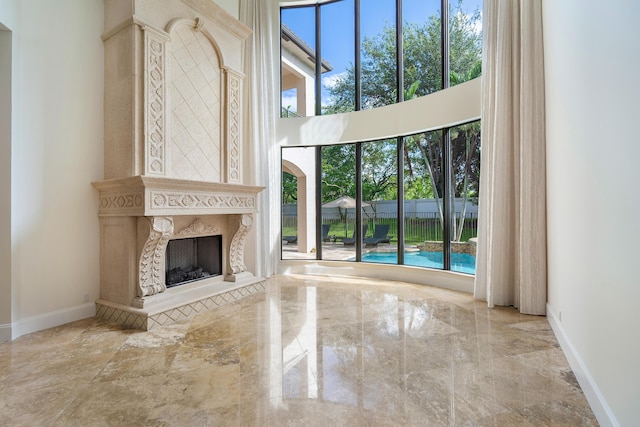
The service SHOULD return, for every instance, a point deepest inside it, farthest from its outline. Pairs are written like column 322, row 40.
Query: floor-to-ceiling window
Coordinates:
column 403, row 198
column 338, row 202
column 423, row 192
column 379, row 207
column 465, row 185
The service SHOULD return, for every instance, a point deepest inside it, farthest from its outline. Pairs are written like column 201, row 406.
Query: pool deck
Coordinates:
column 337, row 251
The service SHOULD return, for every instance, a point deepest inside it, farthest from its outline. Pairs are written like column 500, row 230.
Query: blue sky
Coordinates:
column 337, row 25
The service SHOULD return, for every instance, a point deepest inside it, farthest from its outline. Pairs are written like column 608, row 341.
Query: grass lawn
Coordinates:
column 415, row 231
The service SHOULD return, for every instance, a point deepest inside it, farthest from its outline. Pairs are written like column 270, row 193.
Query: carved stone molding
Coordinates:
column 157, row 231
column 181, row 200
column 155, row 102
column 239, row 226
column 234, row 126
column 197, row 229
column 121, row 202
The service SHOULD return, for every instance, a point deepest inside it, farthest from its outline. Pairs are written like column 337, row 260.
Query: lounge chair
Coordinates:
column 350, row 241
column 325, row 232
column 380, row 235
column 290, row 239
column 325, row 235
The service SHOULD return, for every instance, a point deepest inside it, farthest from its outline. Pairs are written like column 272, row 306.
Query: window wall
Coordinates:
column 408, row 198
column 359, row 189
column 352, row 55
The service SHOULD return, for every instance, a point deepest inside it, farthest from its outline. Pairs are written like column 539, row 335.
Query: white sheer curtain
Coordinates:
column 261, row 86
column 511, row 257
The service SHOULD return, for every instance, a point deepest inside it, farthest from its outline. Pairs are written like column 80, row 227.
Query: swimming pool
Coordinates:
column 462, row 263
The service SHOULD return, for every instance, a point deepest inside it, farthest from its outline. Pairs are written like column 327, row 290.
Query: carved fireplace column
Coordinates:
column 155, row 232
column 239, row 226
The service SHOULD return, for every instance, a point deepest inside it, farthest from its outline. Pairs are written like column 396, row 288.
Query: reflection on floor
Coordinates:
column 309, row 351
column 336, row 251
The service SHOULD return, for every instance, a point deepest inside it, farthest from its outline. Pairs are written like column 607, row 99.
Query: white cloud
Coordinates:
column 467, row 17
column 330, row 81
column 477, row 27
column 290, row 100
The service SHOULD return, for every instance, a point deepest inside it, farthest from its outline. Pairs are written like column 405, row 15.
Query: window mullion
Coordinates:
column 318, row 202
column 318, row 71
column 358, row 230
column 400, row 208
column 357, row 62
column 399, row 53
column 446, row 142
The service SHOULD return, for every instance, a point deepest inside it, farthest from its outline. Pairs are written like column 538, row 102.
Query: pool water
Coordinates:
column 462, row 263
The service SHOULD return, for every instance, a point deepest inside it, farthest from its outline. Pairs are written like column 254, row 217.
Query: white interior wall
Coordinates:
column 57, row 150
column 304, row 161
column 230, row 6
column 5, row 183
column 592, row 94
column 449, row 107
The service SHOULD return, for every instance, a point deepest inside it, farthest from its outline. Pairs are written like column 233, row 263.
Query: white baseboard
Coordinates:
column 49, row 320
column 599, row 405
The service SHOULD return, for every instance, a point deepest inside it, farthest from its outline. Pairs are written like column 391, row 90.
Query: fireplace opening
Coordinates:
column 193, row 259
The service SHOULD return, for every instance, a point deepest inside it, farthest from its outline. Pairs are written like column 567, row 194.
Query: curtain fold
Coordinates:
column 511, row 253
column 261, row 85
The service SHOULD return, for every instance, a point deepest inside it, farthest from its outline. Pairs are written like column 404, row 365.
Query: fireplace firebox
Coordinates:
column 193, row 259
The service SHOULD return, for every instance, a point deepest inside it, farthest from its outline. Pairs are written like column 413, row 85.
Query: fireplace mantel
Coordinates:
column 156, row 196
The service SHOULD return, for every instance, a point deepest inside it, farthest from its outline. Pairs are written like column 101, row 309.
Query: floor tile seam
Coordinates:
column 534, row 406
column 34, row 386
column 69, row 403
column 557, row 382
column 531, row 352
column 48, row 342
column 104, row 366
column 552, row 371
column 539, row 319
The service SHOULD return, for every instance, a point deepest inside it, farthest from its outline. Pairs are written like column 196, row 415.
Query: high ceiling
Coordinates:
column 301, row 2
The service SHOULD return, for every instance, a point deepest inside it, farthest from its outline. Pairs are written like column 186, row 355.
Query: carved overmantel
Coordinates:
column 181, row 77
column 174, row 82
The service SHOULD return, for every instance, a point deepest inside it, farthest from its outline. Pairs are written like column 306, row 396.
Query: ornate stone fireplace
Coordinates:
column 173, row 158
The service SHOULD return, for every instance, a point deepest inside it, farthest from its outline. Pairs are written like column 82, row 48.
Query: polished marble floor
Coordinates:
column 310, row 351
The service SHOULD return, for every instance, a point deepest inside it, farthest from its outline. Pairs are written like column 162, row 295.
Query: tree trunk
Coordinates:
column 426, row 156
column 470, row 148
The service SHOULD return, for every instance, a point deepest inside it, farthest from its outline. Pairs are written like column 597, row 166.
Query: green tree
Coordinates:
column 289, row 188
column 379, row 171
column 338, row 171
